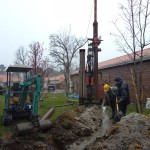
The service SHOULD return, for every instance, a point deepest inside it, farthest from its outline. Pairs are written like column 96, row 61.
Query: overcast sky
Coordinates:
column 25, row 21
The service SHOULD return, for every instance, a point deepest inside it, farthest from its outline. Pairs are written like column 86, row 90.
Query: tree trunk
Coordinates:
column 140, row 79
column 137, row 91
column 67, row 82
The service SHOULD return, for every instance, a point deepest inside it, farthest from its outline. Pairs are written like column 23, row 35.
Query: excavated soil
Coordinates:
column 131, row 133
column 91, row 130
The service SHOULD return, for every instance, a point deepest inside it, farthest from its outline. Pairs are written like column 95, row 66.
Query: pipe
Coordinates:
column 48, row 114
column 52, row 110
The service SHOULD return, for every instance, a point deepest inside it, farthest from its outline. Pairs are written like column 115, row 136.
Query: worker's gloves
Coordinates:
column 104, row 108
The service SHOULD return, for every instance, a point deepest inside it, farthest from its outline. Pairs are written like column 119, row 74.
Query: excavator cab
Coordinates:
column 14, row 105
column 22, row 97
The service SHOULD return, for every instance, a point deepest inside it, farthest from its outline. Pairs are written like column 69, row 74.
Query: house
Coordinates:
column 120, row 66
column 58, row 81
column 3, row 81
column 74, row 77
column 3, row 78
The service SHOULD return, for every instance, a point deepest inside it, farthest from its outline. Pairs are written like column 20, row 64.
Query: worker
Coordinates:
column 122, row 94
column 110, row 98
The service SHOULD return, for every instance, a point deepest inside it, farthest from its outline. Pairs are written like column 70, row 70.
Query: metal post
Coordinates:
column 95, row 23
column 95, row 37
column 82, row 76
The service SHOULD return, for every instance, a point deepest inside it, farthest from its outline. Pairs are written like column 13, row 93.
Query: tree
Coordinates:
column 37, row 60
column 34, row 56
column 21, row 56
column 63, row 49
column 2, row 68
column 133, row 36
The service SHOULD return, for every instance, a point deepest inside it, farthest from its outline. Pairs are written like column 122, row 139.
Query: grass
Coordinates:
column 52, row 100
column 49, row 100
column 3, row 129
column 132, row 108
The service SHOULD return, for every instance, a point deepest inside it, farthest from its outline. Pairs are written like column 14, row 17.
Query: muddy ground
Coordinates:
column 91, row 130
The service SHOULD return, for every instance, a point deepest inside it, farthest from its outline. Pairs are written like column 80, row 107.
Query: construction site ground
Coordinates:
column 91, row 129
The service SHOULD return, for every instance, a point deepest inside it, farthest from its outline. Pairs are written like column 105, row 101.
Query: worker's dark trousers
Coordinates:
column 113, row 112
column 123, row 109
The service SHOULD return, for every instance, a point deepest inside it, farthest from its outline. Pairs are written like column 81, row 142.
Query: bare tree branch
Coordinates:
column 63, row 49
column 21, row 56
column 135, row 17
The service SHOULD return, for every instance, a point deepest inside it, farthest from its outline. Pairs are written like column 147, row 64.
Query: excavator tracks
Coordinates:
column 7, row 117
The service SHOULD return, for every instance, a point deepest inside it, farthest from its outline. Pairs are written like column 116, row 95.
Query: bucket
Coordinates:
column 148, row 103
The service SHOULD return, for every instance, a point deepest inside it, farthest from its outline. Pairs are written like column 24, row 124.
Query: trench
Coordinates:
column 101, row 131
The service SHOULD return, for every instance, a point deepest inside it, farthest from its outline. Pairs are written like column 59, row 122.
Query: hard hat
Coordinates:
column 106, row 87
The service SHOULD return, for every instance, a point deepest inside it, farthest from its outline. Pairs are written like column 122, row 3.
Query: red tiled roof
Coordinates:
column 59, row 78
column 3, row 78
column 119, row 60
column 123, row 59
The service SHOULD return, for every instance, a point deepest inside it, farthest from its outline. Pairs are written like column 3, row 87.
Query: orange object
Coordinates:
column 92, row 81
column 16, row 99
column 27, row 100
column 11, row 102
column 96, row 41
column 87, row 81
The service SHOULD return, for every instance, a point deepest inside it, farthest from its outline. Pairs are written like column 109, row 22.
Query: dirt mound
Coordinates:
column 90, row 130
column 66, row 129
column 132, row 132
column 93, row 120
column 27, row 142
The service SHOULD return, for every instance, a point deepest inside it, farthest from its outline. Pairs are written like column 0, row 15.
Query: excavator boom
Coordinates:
column 35, row 123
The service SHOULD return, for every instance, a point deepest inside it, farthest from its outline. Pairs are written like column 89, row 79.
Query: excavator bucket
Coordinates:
column 25, row 128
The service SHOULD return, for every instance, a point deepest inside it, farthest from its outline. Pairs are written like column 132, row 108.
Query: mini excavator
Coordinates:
column 21, row 99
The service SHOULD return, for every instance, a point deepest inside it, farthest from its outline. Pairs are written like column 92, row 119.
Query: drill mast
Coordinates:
column 92, row 60
column 88, row 88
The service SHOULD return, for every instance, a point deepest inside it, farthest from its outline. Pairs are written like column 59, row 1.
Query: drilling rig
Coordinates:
column 88, row 75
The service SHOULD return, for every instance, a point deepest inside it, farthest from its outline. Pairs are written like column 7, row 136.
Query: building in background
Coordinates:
column 119, row 66
column 57, row 81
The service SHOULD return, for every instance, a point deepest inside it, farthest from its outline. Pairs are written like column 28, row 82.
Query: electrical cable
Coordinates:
column 89, row 20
